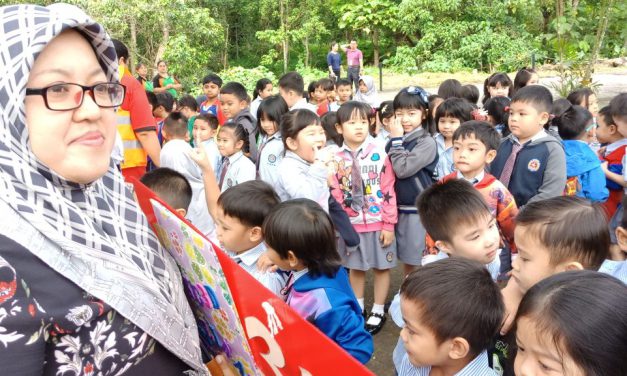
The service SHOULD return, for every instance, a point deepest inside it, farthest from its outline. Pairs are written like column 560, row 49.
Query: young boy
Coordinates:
column 211, row 85
column 326, row 92
column 163, row 106
column 188, row 107
column 448, row 117
column 344, row 90
column 234, row 101
column 175, row 155
column 529, row 162
column 170, row 186
column 611, row 158
column 474, row 148
column 554, row 235
column 291, row 88
column 446, row 331
column 241, row 211
column 204, row 131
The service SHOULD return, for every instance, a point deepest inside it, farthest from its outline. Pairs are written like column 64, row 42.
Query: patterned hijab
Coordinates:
column 371, row 97
column 94, row 234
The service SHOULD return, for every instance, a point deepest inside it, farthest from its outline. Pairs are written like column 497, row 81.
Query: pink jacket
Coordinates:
column 379, row 212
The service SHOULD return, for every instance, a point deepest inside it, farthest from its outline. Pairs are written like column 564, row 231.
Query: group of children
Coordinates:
column 309, row 195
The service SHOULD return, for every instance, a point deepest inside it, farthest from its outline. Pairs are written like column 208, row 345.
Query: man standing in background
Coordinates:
column 355, row 60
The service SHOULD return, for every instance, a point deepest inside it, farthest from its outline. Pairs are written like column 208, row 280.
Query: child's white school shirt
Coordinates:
column 239, row 170
column 270, row 157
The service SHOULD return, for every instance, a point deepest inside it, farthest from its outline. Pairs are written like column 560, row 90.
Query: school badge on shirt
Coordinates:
column 533, row 165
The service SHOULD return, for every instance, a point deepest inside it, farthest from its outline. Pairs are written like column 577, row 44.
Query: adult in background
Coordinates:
column 85, row 285
column 136, row 125
column 355, row 61
column 142, row 76
column 163, row 81
column 334, row 61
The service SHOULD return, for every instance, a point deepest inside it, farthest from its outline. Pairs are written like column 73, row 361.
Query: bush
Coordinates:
column 247, row 77
column 404, row 61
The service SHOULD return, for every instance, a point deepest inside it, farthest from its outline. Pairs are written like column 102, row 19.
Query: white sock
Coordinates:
column 377, row 308
column 361, row 303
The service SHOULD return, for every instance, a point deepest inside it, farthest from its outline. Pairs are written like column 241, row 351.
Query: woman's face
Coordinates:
column 162, row 67
column 76, row 144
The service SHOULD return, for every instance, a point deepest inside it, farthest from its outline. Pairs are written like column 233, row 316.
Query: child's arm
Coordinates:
column 511, row 297
column 554, row 179
column 594, row 185
column 389, row 213
column 313, row 184
column 616, row 178
column 407, row 163
column 212, row 190
column 343, row 325
column 506, row 212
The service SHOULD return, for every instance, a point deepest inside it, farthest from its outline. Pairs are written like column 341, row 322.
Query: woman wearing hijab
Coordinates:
column 85, row 287
column 367, row 92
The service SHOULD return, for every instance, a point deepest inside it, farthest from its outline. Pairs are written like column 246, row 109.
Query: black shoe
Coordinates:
column 374, row 329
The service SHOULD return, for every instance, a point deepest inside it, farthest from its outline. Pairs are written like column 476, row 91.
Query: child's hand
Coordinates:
column 396, row 128
column 601, row 151
column 511, row 297
column 386, row 238
column 604, row 167
column 199, row 156
column 264, row 264
column 322, row 156
column 224, row 365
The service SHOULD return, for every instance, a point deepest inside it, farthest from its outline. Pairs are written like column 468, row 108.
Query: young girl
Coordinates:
column 572, row 323
column 367, row 92
column 434, row 102
column 303, row 171
column 329, row 121
column 204, row 131
column 413, row 154
column 585, row 98
column 263, row 89
column 450, row 88
column 301, row 239
column 497, row 85
column 385, row 116
column 271, row 146
column 524, row 77
column 497, row 109
column 235, row 167
column 449, row 116
column 363, row 183
column 583, row 167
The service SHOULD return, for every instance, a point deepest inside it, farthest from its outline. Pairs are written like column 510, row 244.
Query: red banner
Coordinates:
column 282, row 343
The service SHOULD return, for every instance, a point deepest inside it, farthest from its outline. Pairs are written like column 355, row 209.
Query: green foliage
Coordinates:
column 247, row 76
column 403, row 61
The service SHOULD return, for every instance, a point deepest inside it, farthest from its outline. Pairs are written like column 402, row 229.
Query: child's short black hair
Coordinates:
column 236, row 89
column 583, row 314
column 210, row 119
column 312, row 88
column 413, row 97
column 618, row 106
column 295, row 121
column 572, row 228
column 450, row 88
column 212, row 78
column 329, row 121
column 175, row 125
column 535, row 95
column 444, row 206
column 457, row 297
column 272, row 108
column 240, row 133
column 260, row 86
column 497, row 78
column 498, row 109
column 470, row 93
column 249, row 202
column 343, row 82
column 166, row 100
column 326, row 84
column 292, row 81
column 189, row 102
column 346, row 111
column 572, row 123
column 456, row 108
column 481, row 131
column 606, row 114
column 303, row 227
column 385, row 110
column 170, row 186
column 522, row 78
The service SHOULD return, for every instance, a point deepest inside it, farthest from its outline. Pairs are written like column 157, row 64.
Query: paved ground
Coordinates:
column 384, row 341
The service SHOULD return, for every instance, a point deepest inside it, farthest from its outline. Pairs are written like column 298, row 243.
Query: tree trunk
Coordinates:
column 285, row 42
column 165, row 31
column 306, row 43
column 598, row 42
column 375, row 45
column 134, row 59
column 225, row 56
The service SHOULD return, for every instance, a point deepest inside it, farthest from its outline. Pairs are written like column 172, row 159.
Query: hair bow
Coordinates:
column 417, row 90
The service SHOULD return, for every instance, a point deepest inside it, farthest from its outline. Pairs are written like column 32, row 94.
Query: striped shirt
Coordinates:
column 477, row 367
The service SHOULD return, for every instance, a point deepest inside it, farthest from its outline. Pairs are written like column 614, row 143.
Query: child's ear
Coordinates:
column 239, row 144
column 443, row 246
column 243, row 104
column 544, row 118
column 255, row 234
column 459, row 348
column 292, row 259
column 182, row 212
column 621, row 238
column 490, row 155
column 571, row 265
column 338, row 128
column 291, row 143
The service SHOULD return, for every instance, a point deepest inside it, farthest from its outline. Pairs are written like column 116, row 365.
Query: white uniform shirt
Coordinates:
column 239, row 170
column 300, row 179
column 270, row 157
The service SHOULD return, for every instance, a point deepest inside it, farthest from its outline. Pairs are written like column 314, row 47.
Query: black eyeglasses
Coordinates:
column 66, row 96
